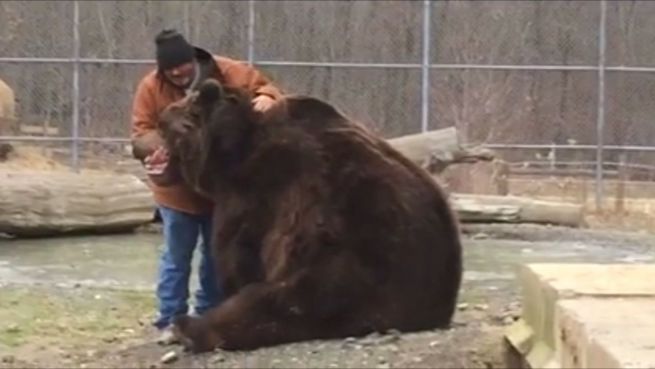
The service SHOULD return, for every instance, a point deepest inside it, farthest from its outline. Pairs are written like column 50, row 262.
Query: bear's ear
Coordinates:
column 209, row 93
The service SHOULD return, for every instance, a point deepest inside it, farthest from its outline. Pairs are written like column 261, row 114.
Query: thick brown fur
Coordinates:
column 322, row 229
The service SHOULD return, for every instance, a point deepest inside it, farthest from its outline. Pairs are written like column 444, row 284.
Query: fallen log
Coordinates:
column 51, row 202
column 44, row 203
column 435, row 150
column 512, row 209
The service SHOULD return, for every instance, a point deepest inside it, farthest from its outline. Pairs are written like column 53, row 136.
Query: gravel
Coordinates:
column 472, row 342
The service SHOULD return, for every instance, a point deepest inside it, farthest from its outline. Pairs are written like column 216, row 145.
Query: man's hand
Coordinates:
column 156, row 162
column 262, row 103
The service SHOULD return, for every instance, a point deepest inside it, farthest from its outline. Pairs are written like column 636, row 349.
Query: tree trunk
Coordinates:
column 511, row 209
column 437, row 149
column 43, row 203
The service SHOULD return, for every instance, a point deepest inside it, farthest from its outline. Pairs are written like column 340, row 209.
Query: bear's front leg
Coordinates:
column 252, row 318
column 267, row 314
column 329, row 300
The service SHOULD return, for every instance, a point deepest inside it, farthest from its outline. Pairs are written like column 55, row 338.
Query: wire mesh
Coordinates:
column 344, row 31
column 515, row 33
column 363, row 95
column 106, row 92
column 42, row 101
column 516, row 107
column 518, row 104
column 27, row 28
column 125, row 29
column 630, row 33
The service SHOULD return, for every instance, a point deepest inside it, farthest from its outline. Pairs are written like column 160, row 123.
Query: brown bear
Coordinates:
column 322, row 230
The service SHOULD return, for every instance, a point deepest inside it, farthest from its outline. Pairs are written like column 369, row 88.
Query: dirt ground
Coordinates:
column 42, row 326
column 474, row 342
column 110, row 329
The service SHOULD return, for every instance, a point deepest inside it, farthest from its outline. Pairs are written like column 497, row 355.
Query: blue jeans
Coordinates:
column 181, row 231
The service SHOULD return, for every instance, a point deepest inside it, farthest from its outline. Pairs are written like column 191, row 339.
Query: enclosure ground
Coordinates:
column 46, row 326
column 88, row 302
column 86, row 327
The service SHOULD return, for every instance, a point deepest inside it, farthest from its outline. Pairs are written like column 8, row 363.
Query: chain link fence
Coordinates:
column 565, row 83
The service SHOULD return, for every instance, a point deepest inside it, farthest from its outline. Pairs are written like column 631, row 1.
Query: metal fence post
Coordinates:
column 425, row 68
column 600, row 119
column 76, row 87
column 251, row 31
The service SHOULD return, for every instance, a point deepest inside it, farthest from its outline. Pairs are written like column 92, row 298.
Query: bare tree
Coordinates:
column 488, row 106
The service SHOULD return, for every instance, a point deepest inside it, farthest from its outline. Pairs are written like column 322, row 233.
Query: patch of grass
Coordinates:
column 71, row 318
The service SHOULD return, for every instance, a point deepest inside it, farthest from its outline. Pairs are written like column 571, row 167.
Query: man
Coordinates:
column 185, row 216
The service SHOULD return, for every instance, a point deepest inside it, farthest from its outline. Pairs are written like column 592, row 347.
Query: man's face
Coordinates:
column 182, row 75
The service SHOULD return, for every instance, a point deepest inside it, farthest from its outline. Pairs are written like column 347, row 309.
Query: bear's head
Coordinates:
column 208, row 132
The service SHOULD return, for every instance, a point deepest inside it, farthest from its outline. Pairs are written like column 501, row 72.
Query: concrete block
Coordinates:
column 606, row 333
column 602, row 280
column 544, row 286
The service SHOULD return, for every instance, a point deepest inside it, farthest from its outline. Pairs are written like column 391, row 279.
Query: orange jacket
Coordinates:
column 153, row 95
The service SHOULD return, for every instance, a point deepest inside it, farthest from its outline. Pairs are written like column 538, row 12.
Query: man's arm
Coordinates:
column 245, row 76
column 143, row 122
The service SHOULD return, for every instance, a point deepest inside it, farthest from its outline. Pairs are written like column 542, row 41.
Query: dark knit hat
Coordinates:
column 172, row 49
